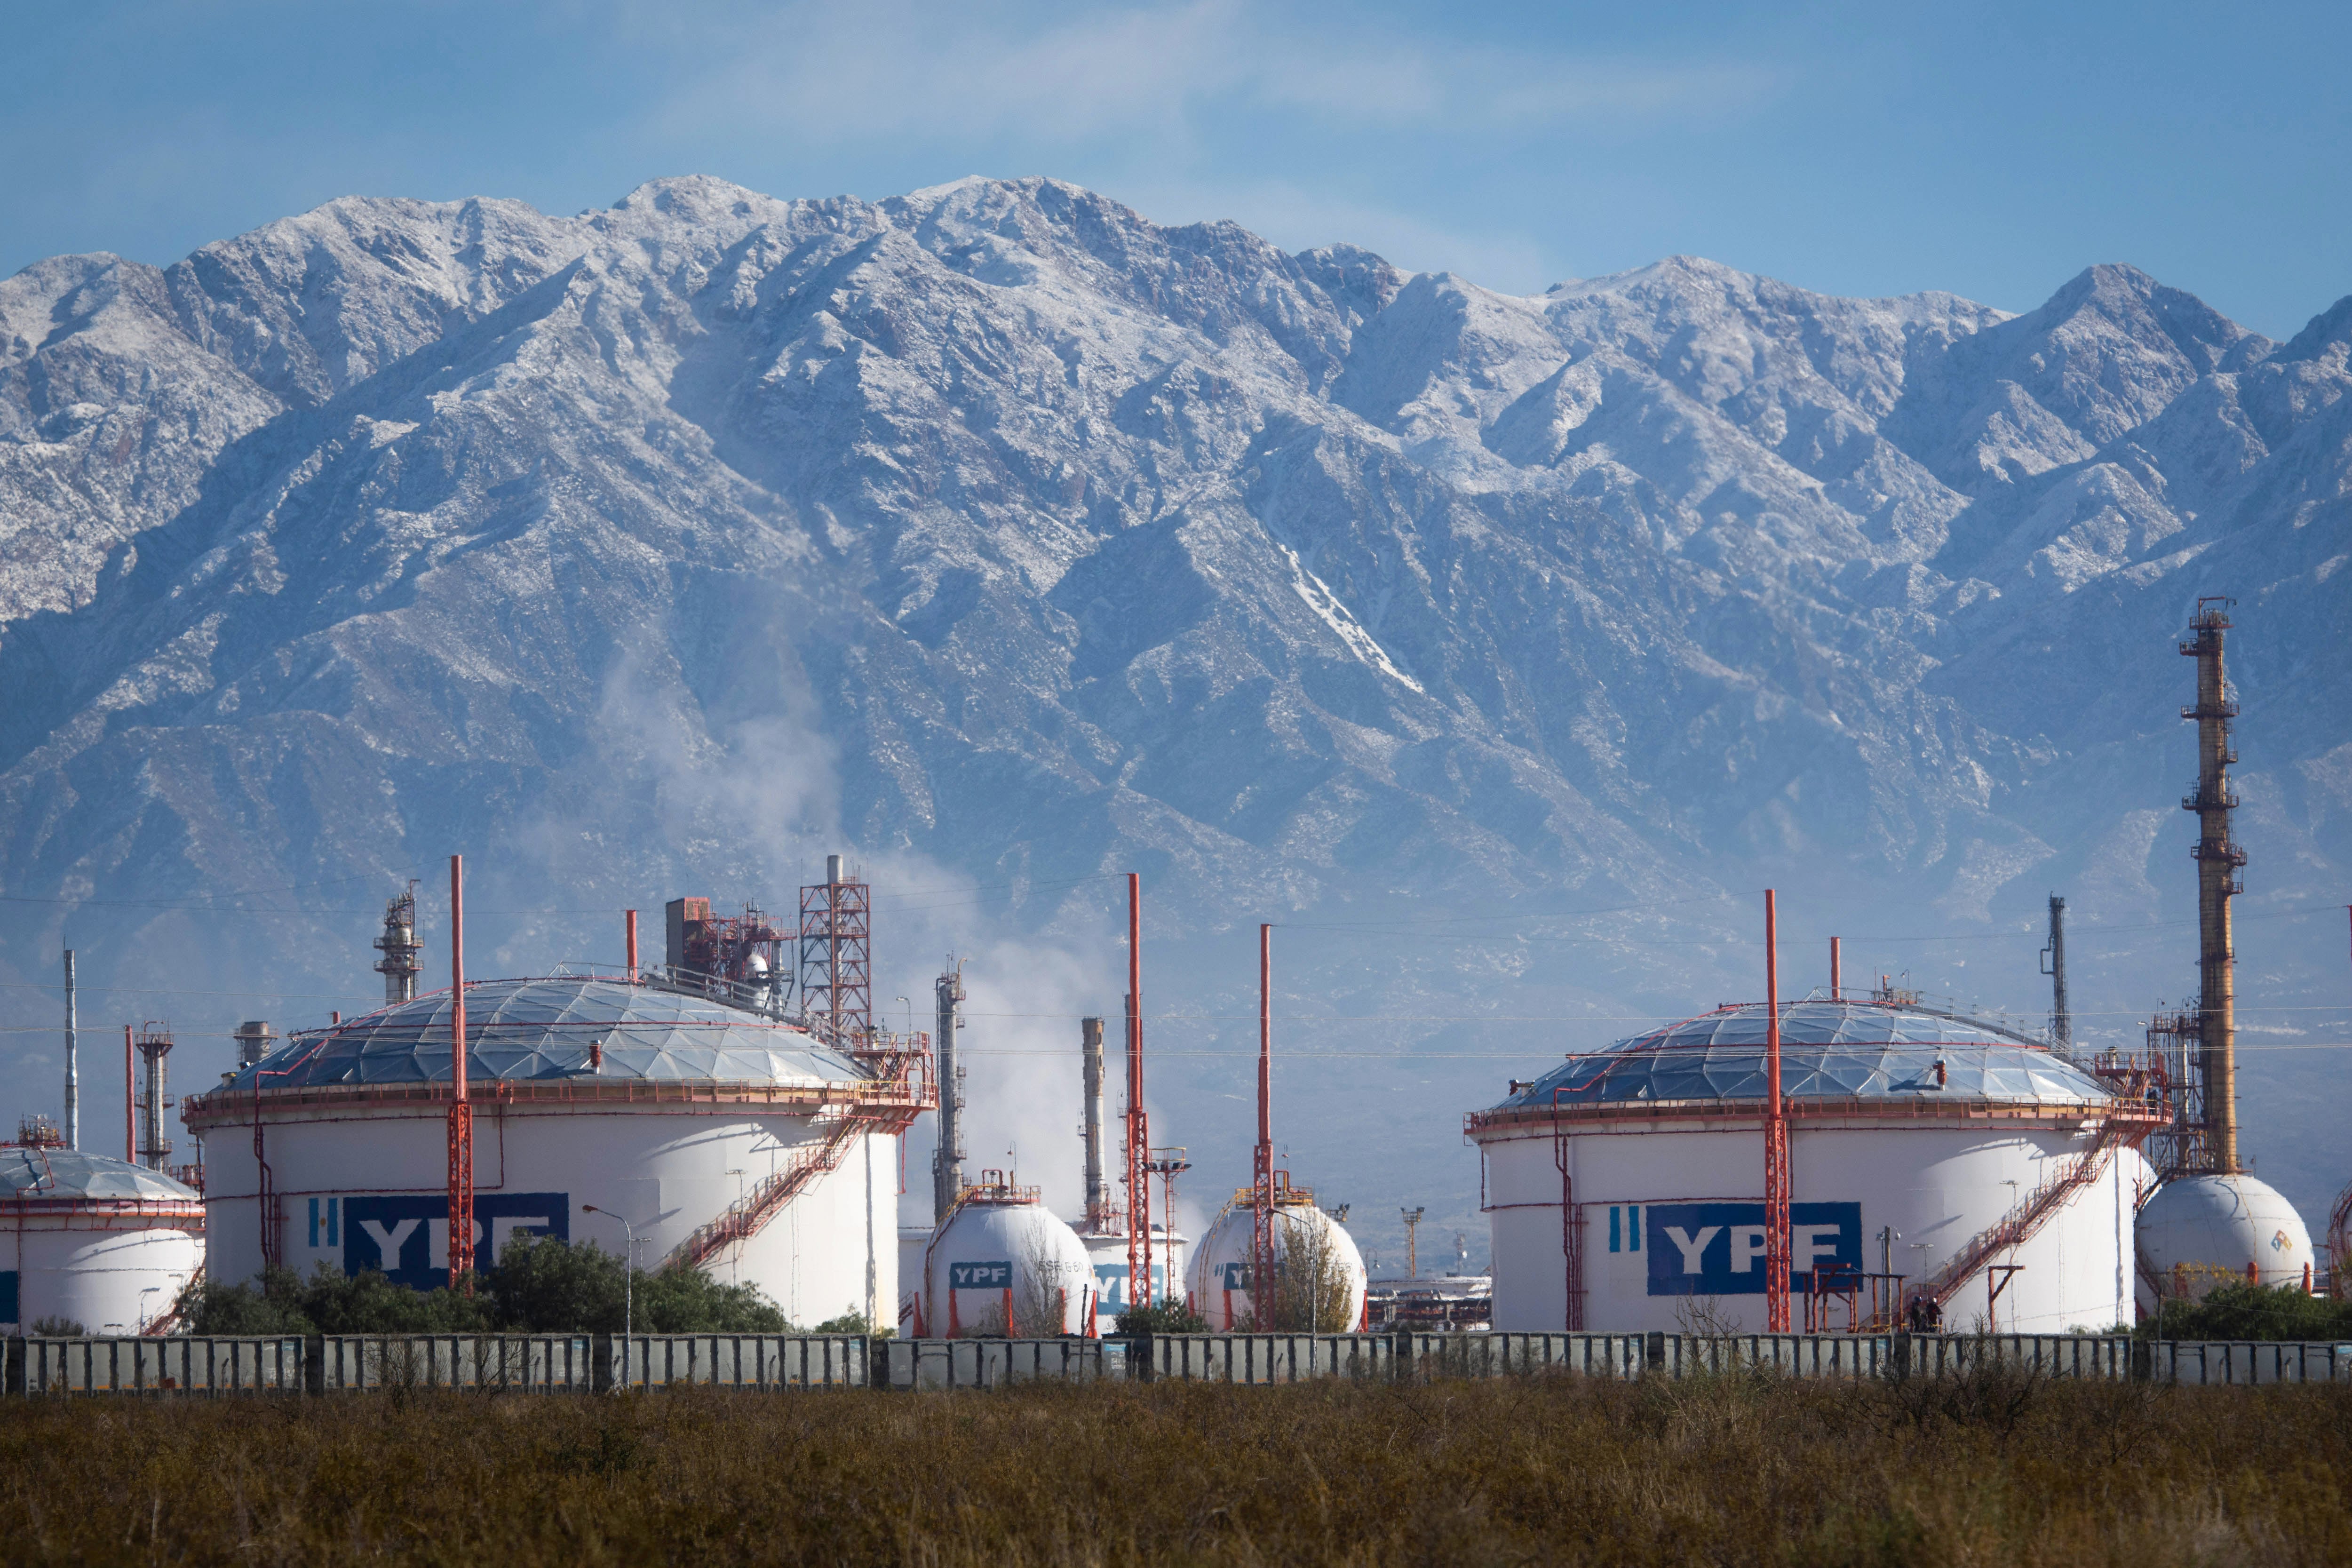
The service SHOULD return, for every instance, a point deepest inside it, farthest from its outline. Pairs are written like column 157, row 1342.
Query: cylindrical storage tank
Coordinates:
column 1626, row 1186
column 1332, row 1268
column 913, row 1240
column 726, row 1137
column 101, row 1243
column 2198, row 1232
column 1002, row 1264
column 1106, row 1255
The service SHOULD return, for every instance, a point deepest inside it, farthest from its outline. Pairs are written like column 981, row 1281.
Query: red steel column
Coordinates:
column 1837, row 985
column 130, row 1138
column 1138, row 1127
column 1776, row 1138
column 1262, row 1167
column 461, row 1112
column 632, row 947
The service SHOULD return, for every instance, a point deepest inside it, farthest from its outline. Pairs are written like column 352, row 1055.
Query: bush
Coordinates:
column 57, row 1328
column 540, row 1286
column 545, row 1286
column 1166, row 1317
column 2247, row 1312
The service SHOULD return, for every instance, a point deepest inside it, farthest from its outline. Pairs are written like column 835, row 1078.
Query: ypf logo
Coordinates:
column 979, row 1275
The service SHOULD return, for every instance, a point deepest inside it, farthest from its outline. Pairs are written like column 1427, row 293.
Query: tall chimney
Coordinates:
column 2219, row 859
column 947, row 1165
column 1090, row 1049
column 73, row 1062
column 2062, row 1022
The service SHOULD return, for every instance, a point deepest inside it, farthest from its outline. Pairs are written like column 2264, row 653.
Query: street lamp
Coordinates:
column 150, row 1291
column 628, row 1271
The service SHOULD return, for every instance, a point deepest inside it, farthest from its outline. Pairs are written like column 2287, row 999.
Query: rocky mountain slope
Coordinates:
column 996, row 529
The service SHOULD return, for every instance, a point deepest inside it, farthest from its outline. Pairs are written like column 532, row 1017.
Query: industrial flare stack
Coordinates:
column 2209, row 1222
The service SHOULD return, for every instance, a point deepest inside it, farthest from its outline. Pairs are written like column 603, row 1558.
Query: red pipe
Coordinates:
column 1836, row 983
column 1776, row 1137
column 632, row 947
column 461, row 1112
column 130, row 1139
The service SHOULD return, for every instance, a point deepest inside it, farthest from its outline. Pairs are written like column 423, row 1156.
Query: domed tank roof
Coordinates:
column 1844, row 1050
column 562, row 1027
column 35, row 1174
column 2210, row 1228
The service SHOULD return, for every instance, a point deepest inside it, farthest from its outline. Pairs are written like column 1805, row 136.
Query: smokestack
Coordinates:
column 832, row 870
column 947, row 1165
column 154, row 1047
column 129, row 1095
column 2062, row 1022
column 73, row 1062
column 254, row 1037
column 2219, row 859
column 632, row 947
column 1090, row 1048
column 1837, row 985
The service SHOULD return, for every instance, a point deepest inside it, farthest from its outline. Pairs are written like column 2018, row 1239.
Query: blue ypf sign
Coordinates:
column 1717, row 1250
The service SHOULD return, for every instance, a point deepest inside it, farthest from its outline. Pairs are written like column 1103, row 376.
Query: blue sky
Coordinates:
column 1992, row 150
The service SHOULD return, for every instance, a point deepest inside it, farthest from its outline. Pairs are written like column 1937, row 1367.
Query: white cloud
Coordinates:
column 886, row 70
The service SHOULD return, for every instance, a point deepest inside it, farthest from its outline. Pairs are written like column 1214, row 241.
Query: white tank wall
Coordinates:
column 1107, row 1256
column 108, row 1281
column 1018, row 1247
column 1937, row 1186
column 913, row 1242
column 830, row 1250
column 2213, row 1227
column 1232, row 1240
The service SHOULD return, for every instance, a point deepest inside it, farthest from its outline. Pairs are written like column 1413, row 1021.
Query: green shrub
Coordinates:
column 2248, row 1312
column 540, row 1286
column 1166, row 1317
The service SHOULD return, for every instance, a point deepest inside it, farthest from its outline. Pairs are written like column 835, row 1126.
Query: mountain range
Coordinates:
column 1013, row 541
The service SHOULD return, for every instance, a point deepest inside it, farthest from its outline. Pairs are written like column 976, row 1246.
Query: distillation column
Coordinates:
column 2219, row 859
column 947, row 1165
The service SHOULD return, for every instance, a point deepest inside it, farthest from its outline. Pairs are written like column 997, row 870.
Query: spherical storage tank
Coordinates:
column 2198, row 1232
column 100, row 1242
column 1001, row 1262
column 1625, row 1187
column 726, row 1137
column 1223, row 1267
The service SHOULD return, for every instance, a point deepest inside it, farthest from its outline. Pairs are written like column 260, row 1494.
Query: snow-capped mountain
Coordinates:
column 996, row 528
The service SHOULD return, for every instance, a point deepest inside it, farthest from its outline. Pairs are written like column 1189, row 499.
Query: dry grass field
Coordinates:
column 1995, row 1469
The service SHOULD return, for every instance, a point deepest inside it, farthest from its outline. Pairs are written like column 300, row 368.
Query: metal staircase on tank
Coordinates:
column 749, row 1215
column 895, row 1062
column 2021, row 1223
